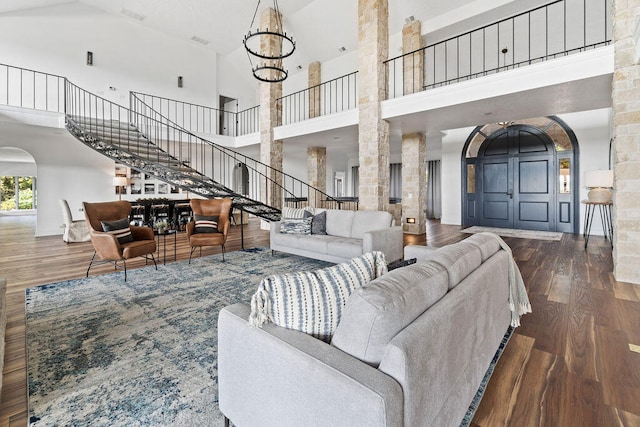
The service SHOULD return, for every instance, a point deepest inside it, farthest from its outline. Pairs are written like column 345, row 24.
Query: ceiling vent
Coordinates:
column 200, row 40
column 133, row 15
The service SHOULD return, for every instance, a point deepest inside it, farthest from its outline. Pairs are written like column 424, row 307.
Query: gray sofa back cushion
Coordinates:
column 364, row 221
column 460, row 260
column 339, row 222
column 375, row 313
column 487, row 244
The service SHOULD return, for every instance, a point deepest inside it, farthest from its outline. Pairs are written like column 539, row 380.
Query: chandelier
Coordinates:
column 269, row 67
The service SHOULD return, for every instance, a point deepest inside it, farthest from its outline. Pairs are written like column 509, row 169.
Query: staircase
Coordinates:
column 157, row 146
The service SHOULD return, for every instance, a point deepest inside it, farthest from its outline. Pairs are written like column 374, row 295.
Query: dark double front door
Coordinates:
column 515, row 181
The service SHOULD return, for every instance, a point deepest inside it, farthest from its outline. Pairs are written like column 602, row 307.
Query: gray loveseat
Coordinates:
column 411, row 349
column 349, row 234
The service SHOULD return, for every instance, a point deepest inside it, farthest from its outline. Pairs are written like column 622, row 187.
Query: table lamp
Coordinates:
column 599, row 183
column 120, row 182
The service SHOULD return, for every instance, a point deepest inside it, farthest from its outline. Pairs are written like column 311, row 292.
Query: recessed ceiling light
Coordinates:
column 200, row 40
column 133, row 15
column 342, row 49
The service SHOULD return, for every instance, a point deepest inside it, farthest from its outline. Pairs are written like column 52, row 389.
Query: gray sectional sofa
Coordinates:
column 349, row 234
column 411, row 348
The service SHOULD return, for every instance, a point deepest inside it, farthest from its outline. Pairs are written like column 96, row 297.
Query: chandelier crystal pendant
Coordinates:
column 269, row 67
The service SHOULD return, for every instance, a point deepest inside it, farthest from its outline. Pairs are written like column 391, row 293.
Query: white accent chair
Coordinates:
column 74, row 231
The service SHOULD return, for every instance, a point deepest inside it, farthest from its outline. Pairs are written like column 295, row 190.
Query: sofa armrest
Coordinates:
column 275, row 376
column 419, row 252
column 388, row 240
column 274, row 227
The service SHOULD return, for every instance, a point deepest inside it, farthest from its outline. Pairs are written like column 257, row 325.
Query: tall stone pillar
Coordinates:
column 412, row 65
column 626, row 131
column 314, row 89
column 317, row 172
column 373, row 152
column 414, row 149
column 414, row 187
column 270, row 115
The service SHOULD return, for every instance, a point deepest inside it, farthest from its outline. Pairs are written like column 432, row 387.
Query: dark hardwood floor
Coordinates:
column 575, row 361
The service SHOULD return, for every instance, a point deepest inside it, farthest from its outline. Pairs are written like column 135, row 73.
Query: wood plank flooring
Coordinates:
column 573, row 362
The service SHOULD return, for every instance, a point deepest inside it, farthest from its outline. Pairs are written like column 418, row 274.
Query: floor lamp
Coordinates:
column 120, row 182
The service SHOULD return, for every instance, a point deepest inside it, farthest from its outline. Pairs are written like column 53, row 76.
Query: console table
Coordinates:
column 605, row 218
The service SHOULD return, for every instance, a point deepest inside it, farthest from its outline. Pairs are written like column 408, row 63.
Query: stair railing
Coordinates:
column 295, row 192
column 200, row 118
column 556, row 29
column 26, row 88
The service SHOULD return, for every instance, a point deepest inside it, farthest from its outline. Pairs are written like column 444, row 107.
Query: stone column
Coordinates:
column 373, row 152
column 317, row 172
column 626, row 131
column 314, row 89
column 414, row 187
column 414, row 163
column 270, row 116
column 412, row 65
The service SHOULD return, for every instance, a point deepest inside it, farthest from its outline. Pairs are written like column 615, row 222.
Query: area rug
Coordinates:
column 510, row 232
column 102, row 351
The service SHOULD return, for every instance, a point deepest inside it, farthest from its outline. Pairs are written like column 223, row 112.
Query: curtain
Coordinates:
column 395, row 181
column 434, row 195
column 355, row 180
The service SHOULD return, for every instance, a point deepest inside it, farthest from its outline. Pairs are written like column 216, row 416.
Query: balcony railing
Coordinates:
column 556, row 29
column 334, row 96
column 202, row 119
column 21, row 87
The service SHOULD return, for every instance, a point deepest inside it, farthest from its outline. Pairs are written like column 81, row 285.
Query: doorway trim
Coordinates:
column 566, row 145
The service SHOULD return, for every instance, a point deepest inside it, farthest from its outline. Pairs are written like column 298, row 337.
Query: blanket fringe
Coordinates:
column 259, row 307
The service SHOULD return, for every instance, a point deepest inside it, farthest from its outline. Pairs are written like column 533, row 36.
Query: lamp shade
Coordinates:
column 120, row 181
column 602, row 178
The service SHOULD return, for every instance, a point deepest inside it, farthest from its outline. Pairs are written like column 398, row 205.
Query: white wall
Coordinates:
column 126, row 55
column 592, row 129
column 66, row 169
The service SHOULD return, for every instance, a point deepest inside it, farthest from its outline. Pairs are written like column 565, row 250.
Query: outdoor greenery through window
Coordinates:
column 24, row 190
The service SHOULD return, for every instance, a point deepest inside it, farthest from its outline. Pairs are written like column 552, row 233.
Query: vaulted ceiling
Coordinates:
column 320, row 27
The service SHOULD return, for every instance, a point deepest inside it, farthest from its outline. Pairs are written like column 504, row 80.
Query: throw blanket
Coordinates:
column 518, row 299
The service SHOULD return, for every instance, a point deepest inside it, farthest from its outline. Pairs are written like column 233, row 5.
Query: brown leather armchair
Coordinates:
column 209, row 207
column 107, row 244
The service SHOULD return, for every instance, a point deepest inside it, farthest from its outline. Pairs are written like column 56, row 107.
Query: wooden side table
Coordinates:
column 605, row 218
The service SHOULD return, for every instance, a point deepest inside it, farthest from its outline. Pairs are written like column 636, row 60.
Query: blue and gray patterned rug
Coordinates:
column 102, row 351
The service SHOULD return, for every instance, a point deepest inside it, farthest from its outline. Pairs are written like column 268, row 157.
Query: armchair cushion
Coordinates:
column 312, row 302
column 119, row 228
column 206, row 223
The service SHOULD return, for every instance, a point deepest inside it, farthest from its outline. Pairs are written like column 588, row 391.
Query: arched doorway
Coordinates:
column 519, row 175
column 18, row 172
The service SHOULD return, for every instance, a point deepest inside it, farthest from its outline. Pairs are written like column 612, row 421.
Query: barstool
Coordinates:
column 160, row 212
column 182, row 215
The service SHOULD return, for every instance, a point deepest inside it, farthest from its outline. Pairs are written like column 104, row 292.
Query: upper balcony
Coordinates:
column 558, row 57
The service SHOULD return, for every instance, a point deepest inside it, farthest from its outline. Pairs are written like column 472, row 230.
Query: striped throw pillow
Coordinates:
column 120, row 229
column 206, row 224
column 312, row 302
column 292, row 213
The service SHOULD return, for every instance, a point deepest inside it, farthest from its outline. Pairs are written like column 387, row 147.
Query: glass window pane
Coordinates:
column 471, row 178
column 565, row 175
